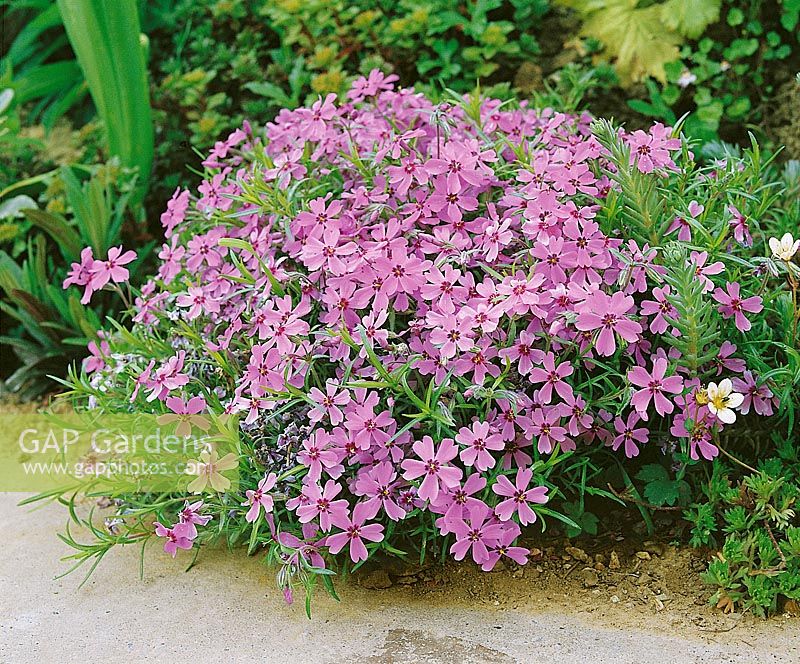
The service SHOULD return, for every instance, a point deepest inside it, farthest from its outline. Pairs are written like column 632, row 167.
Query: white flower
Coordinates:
column 785, row 248
column 686, row 78
column 722, row 400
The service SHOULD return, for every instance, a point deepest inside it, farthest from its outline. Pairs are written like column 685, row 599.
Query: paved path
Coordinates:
column 227, row 609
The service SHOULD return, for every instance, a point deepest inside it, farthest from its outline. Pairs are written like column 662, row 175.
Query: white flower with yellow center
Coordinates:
column 722, row 400
column 785, row 248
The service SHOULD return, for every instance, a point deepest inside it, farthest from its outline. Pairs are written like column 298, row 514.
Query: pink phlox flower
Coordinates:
column 343, row 303
column 354, row 532
column 205, row 250
column 171, row 256
column 682, row 225
column 97, row 355
column 654, row 385
column 724, row 360
column 111, row 269
column 169, row 376
column 524, row 352
column 554, row 259
column 369, row 86
column 215, row 194
column 177, row 536
column 442, row 288
column 449, row 335
column 328, row 402
column 176, row 211
column 628, row 434
column 143, row 379
column 315, row 120
column 758, row 397
column 287, row 167
column 741, row 230
column 433, row 467
column 319, row 453
column 409, row 171
column 476, row 533
column 320, row 504
column 324, row 249
column 379, row 485
column 449, row 200
column 373, row 330
column 452, row 503
column 482, row 316
column 199, row 302
column 503, row 548
column 553, row 378
column 545, row 425
column 306, row 548
column 518, row 495
column 609, row 314
column 733, row 306
column 479, row 442
column 186, row 414
column 259, row 498
column 659, row 307
column 456, row 167
column 522, row 294
column 478, row 361
column 365, row 425
column 191, row 517
column 703, row 271
column 496, row 236
column 575, row 408
column 80, row 273
column 650, row 151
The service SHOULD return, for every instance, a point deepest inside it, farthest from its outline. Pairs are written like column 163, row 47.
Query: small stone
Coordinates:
column 614, row 599
column 643, row 579
column 643, row 555
column 654, row 548
column 599, row 558
column 590, row 578
column 376, row 580
column 599, row 567
column 578, row 554
column 518, row 573
column 613, row 561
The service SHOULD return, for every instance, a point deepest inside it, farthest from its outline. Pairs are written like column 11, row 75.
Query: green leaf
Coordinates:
column 59, row 229
column 106, row 39
column 652, row 472
column 635, row 37
column 735, row 17
column 690, row 17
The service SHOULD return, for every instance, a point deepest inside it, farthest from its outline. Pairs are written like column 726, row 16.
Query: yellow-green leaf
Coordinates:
column 636, row 38
column 690, row 17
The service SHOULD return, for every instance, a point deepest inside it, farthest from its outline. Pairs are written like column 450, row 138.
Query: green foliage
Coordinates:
column 659, row 488
column 730, row 75
column 51, row 327
column 758, row 565
column 105, row 38
column 38, row 64
column 218, row 62
column 641, row 38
